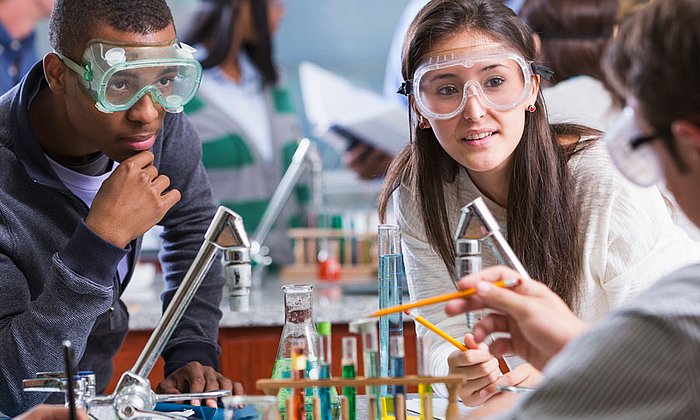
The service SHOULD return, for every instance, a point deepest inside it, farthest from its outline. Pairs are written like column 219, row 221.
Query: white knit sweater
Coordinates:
column 629, row 241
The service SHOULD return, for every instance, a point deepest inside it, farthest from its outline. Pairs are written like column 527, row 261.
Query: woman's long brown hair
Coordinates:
column 542, row 222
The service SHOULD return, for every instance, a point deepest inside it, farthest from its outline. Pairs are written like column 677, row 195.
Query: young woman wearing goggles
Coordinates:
column 480, row 129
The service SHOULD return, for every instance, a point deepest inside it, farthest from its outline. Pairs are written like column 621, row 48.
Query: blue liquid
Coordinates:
column 398, row 370
column 325, row 393
column 391, row 278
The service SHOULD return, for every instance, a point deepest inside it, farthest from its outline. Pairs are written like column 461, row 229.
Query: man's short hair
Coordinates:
column 656, row 58
column 74, row 22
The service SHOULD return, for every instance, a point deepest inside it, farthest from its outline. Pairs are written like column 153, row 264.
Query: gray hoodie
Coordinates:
column 58, row 279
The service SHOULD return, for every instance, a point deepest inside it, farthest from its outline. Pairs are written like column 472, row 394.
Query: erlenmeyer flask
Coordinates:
column 299, row 323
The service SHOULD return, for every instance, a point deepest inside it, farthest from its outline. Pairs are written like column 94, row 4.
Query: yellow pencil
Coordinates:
column 434, row 328
column 441, row 298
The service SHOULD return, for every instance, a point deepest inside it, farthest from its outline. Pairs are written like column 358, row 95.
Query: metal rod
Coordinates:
column 489, row 227
column 225, row 231
column 70, row 377
column 305, row 150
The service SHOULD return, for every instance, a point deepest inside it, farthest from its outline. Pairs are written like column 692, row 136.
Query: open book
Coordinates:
column 344, row 114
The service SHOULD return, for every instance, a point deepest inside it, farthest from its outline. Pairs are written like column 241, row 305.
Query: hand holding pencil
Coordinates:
column 540, row 324
column 509, row 282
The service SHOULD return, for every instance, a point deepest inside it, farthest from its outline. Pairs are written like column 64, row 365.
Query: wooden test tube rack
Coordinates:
column 272, row 386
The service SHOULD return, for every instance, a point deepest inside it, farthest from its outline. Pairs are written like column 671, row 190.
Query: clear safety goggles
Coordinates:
column 630, row 151
column 117, row 76
column 443, row 82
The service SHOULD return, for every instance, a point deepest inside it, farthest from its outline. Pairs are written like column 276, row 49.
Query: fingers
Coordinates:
column 473, row 281
column 196, row 378
column 502, row 347
column 140, row 160
column 169, row 198
column 238, row 389
column 472, row 364
column 354, row 156
column 212, row 384
column 168, row 386
column 479, row 369
column 490, row 274
column 516, row 377
column 151, row 173
column 471, row 343
column 491, row 323
column 514, row 301
column 368, row 162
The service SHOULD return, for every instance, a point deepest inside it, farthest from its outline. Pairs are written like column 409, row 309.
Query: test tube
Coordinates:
column 398, row 369
column 390, row 274
column 349, row 363
column 297, row 408
column 324, row 367
column 425, row 391
column 368, row 329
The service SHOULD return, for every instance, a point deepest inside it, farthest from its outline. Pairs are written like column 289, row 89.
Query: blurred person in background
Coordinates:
column 18, row 19
column 243, row 113
column 571, row 36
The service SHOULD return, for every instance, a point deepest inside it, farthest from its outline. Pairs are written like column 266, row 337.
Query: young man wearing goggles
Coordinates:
column 642, row 361
column 93, row 153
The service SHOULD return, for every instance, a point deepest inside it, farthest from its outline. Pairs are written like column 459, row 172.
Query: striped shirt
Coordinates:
column 643, row 362
column 242, row 176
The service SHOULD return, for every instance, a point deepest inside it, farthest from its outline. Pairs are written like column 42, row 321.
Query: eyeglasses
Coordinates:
column 639, row 141
column 630, row 151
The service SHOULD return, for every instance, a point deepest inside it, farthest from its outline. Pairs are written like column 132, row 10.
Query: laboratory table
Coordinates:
column 249, row 340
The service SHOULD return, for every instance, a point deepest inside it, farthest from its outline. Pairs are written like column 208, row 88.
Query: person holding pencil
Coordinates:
column 642, row 361
column 480, row 128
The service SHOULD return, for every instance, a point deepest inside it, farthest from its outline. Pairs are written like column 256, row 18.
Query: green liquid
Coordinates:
column 349, row 391
column 283, row 370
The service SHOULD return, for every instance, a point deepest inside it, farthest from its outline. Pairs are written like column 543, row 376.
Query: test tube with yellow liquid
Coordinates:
column 425, row 391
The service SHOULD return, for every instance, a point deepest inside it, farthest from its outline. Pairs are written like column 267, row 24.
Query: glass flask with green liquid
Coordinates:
column 299, row 323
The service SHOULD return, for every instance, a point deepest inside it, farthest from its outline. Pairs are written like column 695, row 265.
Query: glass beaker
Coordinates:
column 299, row 323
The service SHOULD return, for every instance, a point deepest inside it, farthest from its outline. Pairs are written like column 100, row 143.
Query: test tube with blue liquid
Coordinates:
column 324, row 367
column 390, row 286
